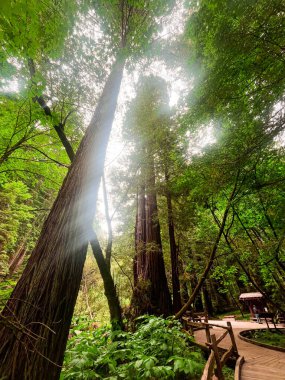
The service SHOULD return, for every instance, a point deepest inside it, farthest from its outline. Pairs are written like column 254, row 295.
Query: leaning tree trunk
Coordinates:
column 17, row 258
column 36, row 320
column 109, row 285
column 113, row 300
column 246, row 271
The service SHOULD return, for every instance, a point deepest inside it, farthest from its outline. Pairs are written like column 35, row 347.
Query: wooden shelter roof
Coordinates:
column 250, row 296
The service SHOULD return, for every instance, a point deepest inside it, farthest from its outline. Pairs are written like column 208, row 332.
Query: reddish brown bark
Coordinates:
column 44, row 298
column 151, row 294
column 104, row 267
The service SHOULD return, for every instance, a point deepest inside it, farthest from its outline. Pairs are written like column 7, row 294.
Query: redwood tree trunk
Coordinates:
column 44, row 298
column 113, row 300
column 151, row 293
column 160, row 299
column 139, row 297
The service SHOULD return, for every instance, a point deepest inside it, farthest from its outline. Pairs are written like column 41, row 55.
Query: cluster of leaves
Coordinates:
column 32, row 26
column 156, row 350
column 243, row 70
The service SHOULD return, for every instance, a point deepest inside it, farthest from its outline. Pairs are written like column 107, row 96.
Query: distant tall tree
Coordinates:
column 151, row 293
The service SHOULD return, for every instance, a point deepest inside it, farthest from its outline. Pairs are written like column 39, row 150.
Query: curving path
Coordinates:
column 260, row 363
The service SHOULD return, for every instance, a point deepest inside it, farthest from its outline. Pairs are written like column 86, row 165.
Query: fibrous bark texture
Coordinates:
column 151, row 293
column 36, row 319
column 110, row 291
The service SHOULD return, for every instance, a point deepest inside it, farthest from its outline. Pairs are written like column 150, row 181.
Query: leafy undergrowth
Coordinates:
column 271, row 337
column 229, row 373
column 157, row 350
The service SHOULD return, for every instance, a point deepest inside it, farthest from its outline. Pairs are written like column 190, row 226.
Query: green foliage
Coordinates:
column 270, row 337
column 91, row 300
column 156, row 350
column 28, row 28
column 14, row 212
column 6, row 288
column 239, row 45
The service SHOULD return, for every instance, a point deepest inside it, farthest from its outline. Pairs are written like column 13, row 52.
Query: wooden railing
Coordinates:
column 218, row 356
column 193, row 321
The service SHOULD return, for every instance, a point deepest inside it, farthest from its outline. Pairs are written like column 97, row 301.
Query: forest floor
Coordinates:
column 260, row 363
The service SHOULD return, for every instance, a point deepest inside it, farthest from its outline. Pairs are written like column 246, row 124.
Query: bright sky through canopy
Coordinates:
column 172, row 27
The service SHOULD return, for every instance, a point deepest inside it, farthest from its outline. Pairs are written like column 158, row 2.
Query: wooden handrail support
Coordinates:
column 213, row 345
column 218, row 369
column 204, row 324
column 208, row 334
column 226, row 355
column 232, row 338
column 199, row 314
column 209, row 367
column 238, row 367
column 221, row 337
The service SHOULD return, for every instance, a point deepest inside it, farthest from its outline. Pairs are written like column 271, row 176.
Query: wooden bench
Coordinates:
column 229, row 317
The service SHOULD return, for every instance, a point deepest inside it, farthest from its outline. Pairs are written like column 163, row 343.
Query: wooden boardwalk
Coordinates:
column 260, row 363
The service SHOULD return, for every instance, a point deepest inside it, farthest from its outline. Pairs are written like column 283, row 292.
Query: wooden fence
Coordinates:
column 218, row 356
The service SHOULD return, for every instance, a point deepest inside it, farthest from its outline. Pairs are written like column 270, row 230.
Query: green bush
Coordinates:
column 271, row 337
column 157, row 350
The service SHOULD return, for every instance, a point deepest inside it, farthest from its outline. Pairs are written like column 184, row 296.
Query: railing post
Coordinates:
column 218, row 371
column 230, row 329
column 208, row 335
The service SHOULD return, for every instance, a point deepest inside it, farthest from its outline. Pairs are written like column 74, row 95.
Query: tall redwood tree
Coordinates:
column 151, row 293
column 36, row 319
